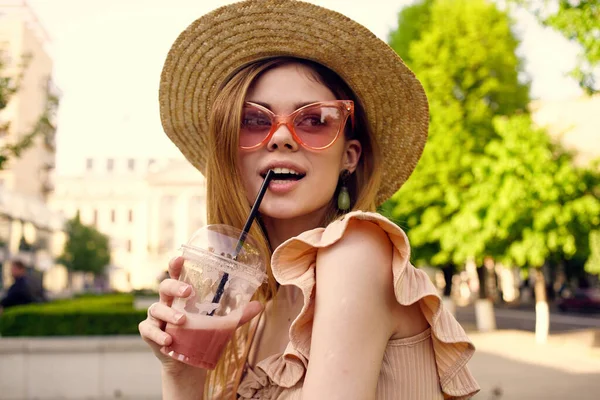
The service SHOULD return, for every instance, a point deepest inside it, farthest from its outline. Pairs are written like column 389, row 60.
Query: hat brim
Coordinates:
column 215, row 46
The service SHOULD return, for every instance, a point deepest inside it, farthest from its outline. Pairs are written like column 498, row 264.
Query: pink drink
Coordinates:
column 201, row 340
column 223, row 277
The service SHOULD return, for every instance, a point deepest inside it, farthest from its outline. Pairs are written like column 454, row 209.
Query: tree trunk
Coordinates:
column 70, row 280
column 485, row 317
column 542, row 311
column 448, row 271
column 481, row 275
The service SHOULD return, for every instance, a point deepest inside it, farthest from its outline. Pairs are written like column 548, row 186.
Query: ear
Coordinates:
column 352, row 154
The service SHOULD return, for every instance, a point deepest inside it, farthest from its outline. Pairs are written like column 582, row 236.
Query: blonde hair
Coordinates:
column 227, row 203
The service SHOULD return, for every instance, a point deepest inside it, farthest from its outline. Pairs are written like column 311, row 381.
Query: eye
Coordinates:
column 253, row 119
column 311, row 120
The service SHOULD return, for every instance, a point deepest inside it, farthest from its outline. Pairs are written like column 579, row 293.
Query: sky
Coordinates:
column 108, row 55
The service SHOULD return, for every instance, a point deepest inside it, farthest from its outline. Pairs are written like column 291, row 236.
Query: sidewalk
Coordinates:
column 509, row 365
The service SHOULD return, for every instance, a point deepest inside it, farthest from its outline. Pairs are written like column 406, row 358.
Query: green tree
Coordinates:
column 463, row 52
column 44, row 126
column 544, row 207
column 473, row 193
column 592, row 265
column 86, row 249
column 578, row 21
column 412, row 22
column 488, row 184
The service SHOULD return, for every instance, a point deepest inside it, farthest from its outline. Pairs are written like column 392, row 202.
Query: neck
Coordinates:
column 280, row 230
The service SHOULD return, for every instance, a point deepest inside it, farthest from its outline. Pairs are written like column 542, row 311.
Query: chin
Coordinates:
column 287, row 209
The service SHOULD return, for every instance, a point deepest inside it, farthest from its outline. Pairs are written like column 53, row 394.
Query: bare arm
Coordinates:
column 176, row 385
column 354, row 315
column 179, row 381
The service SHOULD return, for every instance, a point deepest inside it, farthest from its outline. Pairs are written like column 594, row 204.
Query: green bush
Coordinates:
column 145, row 292
column 82, row 316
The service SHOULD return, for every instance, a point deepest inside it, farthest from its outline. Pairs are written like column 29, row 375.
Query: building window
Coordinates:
column 113, row 216
column 130, row 216
column 110, row 164
column 89, row 164
column 95, row 217
column 129, row 245
column 196, row 214
column 165, row 220
column 131, row 164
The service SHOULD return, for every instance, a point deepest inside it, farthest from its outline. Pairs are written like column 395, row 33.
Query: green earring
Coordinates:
column 344, row 196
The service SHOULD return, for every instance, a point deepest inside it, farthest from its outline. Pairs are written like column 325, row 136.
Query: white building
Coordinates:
column 26, row 181
column 148, row 209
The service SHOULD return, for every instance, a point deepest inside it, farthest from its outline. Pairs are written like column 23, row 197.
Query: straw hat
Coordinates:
column 215, row 46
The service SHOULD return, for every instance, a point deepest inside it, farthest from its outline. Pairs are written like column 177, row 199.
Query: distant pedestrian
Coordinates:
column 20, row 291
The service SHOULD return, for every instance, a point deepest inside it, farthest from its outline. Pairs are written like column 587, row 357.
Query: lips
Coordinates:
column 285, row 173
column 286, row 177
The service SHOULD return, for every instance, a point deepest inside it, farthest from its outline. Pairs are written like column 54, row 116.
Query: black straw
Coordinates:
column 245, row 230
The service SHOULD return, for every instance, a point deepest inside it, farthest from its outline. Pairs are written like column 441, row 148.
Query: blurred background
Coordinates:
column 503, row 211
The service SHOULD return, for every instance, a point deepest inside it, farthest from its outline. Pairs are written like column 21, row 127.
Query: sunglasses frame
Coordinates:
column 345, row 106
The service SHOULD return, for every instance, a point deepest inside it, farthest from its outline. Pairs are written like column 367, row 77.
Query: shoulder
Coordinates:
column 362, row 243
column 357, row 267
column 354, row 295
column 362, row 262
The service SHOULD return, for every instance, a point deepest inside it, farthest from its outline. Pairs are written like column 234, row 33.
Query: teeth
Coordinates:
column 285, row 171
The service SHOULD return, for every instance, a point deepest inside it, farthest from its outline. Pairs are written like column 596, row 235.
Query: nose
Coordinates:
column 282, row 139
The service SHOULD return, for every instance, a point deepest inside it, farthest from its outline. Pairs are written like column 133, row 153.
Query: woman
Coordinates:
column 289, row 86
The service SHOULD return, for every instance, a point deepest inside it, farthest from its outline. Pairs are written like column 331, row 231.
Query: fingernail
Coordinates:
column 164, row 340
column 183, row 289
column 178, row 317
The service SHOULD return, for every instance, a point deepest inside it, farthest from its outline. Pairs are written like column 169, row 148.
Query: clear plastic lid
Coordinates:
column 221, row 242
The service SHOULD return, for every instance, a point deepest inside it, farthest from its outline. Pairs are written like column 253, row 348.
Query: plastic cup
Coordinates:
column 208, row 263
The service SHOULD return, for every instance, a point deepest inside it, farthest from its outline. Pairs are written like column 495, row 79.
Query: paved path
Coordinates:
column 507, row 318
column 510, row 366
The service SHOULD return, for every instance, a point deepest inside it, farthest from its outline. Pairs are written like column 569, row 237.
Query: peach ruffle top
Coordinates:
column 430, row 365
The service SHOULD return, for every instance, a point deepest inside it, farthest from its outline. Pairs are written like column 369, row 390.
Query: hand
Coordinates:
column 152, row 328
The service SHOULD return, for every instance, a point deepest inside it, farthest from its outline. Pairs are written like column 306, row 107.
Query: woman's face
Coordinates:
column 282, row 90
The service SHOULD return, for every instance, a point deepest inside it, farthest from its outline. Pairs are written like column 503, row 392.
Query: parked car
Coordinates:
column 581, row 300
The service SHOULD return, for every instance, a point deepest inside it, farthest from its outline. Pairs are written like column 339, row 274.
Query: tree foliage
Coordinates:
column 544, row 207
column 489, row 183
column 44, row 126
column 578, row 21
column 464, row 54
column 592, row 265
column 86, row 249
column 412, row 21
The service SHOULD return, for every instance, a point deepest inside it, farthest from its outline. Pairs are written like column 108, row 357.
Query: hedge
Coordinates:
column 83, row 316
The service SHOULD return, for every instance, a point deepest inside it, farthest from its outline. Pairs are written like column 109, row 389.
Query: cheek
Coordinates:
column 327, row 171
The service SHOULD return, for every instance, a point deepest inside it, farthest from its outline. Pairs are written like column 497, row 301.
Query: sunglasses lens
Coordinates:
column 255, row 126
column 315, row 126
column 318, row 126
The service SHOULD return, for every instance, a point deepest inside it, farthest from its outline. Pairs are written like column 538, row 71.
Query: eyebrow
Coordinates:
column 296, row 106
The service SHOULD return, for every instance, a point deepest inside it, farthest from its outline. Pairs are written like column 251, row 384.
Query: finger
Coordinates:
column 175, row 266
column 251, row 310
column 171, row 288
column 164, row 313
column 153, row 335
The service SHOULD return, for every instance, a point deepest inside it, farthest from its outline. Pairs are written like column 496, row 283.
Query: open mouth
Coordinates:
column 285, row 174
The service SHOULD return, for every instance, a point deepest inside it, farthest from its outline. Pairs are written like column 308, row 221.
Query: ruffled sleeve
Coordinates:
column 293, row 263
